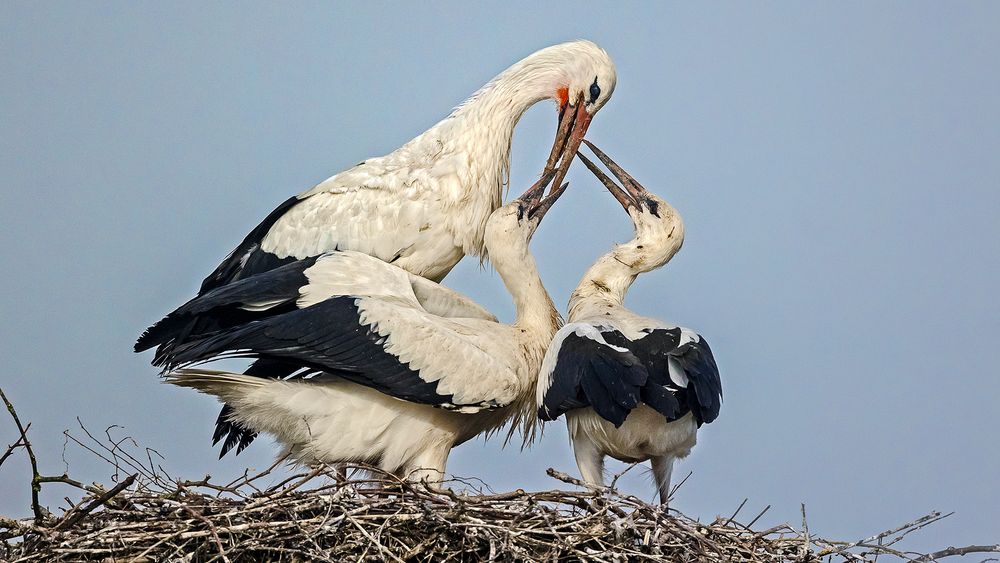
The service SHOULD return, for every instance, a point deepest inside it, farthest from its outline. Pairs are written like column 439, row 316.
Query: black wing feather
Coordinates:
column 221, row 308
column 589, row 373
column 247, row 258
column 325, row 338
column 703, row 395
column 662, row 399
column 244, row 261
column 661, row 394
column 698, row 362
column 656, row 392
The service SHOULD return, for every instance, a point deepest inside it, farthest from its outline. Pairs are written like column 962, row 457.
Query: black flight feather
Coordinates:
column 590, row 373
column 325, row 338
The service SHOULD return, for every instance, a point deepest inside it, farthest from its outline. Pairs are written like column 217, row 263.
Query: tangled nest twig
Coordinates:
column 320, row 515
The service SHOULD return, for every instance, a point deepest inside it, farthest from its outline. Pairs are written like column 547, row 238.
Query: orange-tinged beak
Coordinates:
column 573, row 123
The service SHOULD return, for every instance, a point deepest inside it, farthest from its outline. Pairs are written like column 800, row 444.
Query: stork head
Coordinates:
column 513, row 225
column 583, row 79
column 659, row 230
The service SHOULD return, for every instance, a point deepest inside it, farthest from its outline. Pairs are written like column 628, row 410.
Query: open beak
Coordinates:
column 630, row 193
column 573, row 124
column 536, row 203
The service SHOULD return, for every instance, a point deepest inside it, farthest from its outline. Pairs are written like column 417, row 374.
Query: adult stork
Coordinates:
column 394, row 370
column 631, row 387
column 425, row 205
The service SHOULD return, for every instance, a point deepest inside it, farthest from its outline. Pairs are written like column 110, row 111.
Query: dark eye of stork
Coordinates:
column 595, row 91
column 653, row 206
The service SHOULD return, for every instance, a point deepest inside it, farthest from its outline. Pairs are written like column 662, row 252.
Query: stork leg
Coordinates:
column 589, row 459
column 428, row 467
column 663, row 467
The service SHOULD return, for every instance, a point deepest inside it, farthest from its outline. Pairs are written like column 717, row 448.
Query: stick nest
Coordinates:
column 322, row 515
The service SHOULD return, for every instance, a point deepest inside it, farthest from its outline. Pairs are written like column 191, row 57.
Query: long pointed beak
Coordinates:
column 573, row 124
column 537, row 204
column 629, row 194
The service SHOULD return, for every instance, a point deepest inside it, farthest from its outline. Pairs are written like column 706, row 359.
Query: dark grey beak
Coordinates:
column 536, row 203
column 630, row 193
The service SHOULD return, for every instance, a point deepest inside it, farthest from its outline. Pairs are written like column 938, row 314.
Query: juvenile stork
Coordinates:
column 631, row 387
column 393, row 370
column 425, row 205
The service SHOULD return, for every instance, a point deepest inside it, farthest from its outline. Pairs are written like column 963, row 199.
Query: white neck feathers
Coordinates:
column 658, row 238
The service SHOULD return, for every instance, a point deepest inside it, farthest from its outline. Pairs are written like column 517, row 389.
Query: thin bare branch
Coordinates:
column 36, row 484
column 953, row 551
column 12, row 447
column 73, row 517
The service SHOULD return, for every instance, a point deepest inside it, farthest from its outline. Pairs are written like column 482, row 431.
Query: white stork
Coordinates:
column 391, row 369
column 423, row 206
column 631, row 387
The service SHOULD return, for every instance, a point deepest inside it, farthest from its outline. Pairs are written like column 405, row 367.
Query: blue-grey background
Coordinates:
column 837, row 165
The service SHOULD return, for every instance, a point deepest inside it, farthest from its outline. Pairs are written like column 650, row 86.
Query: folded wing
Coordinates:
column 670, row 369
column 349, row 315
column 681, row 363
column 586, row 366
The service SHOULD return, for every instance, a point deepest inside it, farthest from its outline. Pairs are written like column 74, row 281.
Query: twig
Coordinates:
column 952, row 551
column 614, row 480
column 805, row 533
column 754, row 521
column 66, row 480
column 676, row 487
column 565, row 478
column 12, row 447
column 932, row 517
column 924, row 524
column 245, row 479
column 738, row 509
column 36, row 483
column 75, row 517
column 211, row 529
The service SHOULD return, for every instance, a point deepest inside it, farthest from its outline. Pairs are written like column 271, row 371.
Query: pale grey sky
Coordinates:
column 836, row 165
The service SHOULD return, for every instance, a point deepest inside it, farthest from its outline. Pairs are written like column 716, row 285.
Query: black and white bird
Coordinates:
column 425, row 205
column 388, row 368
column 631, row 387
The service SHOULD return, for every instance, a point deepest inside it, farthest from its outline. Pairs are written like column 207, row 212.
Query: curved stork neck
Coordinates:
column 536, row 317
column 536, row 322
column 473, row 144
column 658, row 237
column 602, row 287
column 491, row 114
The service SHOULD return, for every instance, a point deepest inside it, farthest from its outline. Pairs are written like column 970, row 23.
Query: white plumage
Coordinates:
column 425, row 205
column 396, row 370
column 631, row 387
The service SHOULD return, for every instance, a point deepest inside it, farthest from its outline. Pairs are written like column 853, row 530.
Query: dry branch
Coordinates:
column 952, row 551
column 36, row 483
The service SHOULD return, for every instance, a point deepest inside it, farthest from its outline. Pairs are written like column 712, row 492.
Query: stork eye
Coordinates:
column 595, row 91
column 653, row 206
